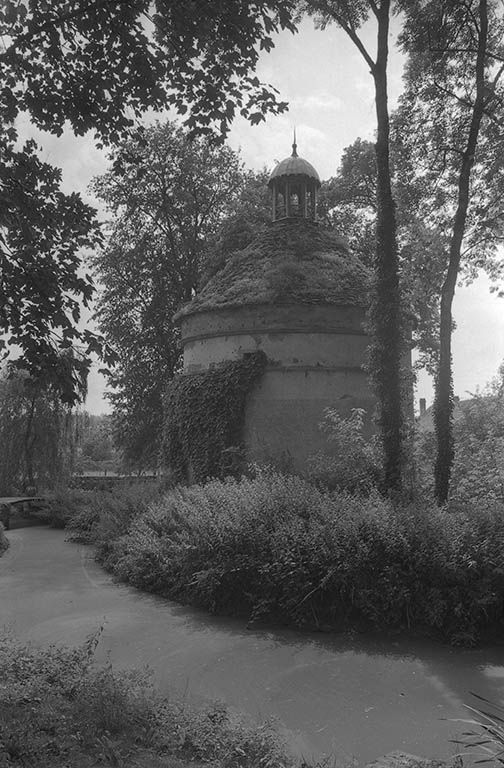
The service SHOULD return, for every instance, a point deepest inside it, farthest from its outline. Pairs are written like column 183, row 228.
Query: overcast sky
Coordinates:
column 330, row 92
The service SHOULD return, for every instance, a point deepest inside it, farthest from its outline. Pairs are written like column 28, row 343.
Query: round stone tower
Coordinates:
column 298, row 294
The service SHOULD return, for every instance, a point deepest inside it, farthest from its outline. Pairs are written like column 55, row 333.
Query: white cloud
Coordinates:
column 323, row 101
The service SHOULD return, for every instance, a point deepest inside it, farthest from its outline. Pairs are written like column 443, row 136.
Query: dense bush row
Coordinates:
column 276, row 547
column 58, row 709
column 93, row 515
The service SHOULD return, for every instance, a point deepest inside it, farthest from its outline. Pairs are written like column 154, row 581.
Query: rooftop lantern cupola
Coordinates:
column 294, row 183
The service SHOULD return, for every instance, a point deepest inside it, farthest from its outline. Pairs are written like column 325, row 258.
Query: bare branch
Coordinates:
column 350, row 30
column 453, row 95
column 470, row 13
column 495, row 56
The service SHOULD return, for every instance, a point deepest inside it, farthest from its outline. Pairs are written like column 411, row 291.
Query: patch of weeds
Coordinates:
column 483, row 735
column 58, row 708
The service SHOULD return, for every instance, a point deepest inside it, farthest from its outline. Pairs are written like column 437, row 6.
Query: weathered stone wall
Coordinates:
column 284, row 411
column 322, row 336
column 315, row 355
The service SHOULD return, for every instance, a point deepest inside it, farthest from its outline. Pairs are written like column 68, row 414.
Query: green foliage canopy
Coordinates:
column 452, row 115
column 42, row 232
column 99, row 66
column 96, row 444
column 348, row 203
column 478, row 466
column 37, row 433
column 170, row 198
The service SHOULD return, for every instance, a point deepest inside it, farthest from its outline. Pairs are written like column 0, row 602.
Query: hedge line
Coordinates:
column 275, row 547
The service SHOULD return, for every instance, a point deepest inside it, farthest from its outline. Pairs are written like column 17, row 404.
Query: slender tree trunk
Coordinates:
column 386, row 315
column 28, row 442
column 386, row 345
column 443, row 403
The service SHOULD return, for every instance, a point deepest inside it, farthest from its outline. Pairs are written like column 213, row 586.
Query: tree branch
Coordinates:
column 350, row 30
column 454, row 95
column 496, row 79
column 470, row 13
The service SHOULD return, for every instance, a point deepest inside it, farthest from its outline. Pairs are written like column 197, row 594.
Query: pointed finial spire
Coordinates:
column 294, row 145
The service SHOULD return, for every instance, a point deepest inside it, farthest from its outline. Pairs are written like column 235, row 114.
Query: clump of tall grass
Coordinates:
column 484, row 735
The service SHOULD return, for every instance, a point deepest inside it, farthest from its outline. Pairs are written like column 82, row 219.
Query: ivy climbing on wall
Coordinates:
column 204, row 419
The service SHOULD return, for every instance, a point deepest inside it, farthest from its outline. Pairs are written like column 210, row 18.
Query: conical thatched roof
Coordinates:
column 295, row 261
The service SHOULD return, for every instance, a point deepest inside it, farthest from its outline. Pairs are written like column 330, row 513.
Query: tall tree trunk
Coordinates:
column 29, row 442
column 443, row 403
column 386, row 313
column 386, row 344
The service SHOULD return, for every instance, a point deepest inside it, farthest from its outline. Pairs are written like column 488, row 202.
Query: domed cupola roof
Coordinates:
column 294, row 166
column 294, row 184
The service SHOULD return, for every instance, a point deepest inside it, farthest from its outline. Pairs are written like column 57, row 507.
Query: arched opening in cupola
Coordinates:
column 294, row 184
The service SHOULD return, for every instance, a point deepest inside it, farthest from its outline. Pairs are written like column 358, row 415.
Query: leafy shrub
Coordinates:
column 116, row 511
column 353, row 462
column 478, row 470
column 57, row 708
column 275, row 546
column 65, row 505
column 96, row 516
column 478, row 467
